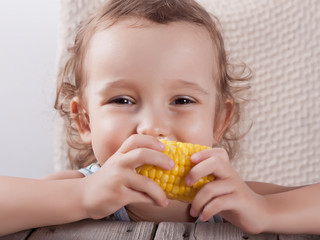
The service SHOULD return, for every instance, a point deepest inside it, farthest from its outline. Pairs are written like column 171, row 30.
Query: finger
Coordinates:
column 205, row 154
column 141, row 141
column 216, row 206
column 149, row 187
column 140, row 156
column 220, row 168
column 208, row 192
column 139, row 197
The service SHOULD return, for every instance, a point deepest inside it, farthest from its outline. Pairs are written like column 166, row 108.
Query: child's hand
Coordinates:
column 227, row 195
column 117, row 184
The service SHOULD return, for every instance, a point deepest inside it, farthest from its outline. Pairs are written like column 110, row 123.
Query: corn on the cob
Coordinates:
column 172, row 182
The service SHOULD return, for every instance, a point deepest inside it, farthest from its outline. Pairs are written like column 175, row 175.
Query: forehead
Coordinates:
column 174, row 50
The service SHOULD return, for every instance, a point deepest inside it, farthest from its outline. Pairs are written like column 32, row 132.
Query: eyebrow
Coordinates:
column 121, row 83
column 180, row 83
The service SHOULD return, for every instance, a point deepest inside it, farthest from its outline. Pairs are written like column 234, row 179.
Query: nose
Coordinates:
column 153, row 122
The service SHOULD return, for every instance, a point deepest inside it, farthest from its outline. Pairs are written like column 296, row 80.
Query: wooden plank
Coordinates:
column 199, row 231
column 17, row 236
column 218, row 231
column 298, row 237
column 175, row 231
column 97, row 229
column 227, row 231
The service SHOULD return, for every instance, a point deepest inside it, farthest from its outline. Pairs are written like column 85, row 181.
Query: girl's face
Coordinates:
column 153, row 79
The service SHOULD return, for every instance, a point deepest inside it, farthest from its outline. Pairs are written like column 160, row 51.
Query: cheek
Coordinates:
column 107, row 137
column 197, row 130
column 203, row 133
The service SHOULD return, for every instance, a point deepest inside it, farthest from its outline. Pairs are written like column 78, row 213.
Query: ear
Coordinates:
column 223, row 117
column 82, row 120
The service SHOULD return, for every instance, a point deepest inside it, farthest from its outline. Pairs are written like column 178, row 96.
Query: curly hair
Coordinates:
column 232, row 78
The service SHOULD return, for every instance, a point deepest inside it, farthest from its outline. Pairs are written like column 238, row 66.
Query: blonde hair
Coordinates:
column 71, row 80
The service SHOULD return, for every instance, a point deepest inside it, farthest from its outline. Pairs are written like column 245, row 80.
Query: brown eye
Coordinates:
column 182, row 101
column 122, row 101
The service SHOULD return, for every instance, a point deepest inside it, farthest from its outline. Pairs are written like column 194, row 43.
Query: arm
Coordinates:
column 268, row 188
column 41, row 198
column 294, row 211
column 290, row 209
column 28, row 203
column 63, row 175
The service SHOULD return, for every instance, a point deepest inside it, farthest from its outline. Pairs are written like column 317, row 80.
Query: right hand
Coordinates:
column 117, row 184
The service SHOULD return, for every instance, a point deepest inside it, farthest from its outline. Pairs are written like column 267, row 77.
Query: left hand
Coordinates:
column 227, row 195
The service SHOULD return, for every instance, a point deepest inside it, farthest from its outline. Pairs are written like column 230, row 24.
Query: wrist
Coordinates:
column 262, row 216
column 90, row 199
column 83, row 207
column 71, row 192
column 268, row 214
column 276, row 217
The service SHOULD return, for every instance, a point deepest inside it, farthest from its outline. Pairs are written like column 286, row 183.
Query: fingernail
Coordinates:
column 195, row 157
column 172, row 164
column 188, row 181
column 162, row 146
column 166, row 203
column 193, row 213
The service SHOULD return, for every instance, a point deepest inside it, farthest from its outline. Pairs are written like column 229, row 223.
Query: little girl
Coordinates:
column 140, row 71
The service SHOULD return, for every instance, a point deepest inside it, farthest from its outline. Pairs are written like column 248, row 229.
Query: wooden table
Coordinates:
column 99, row 229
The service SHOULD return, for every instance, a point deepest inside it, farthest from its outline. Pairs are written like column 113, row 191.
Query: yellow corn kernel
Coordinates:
column 164, row 178
column 175, row 189
column 159, row 173
column 175, row 170
column 152, row 173
column 172, row 182
column 182, row 190
column 169, row 187
column 182, row 171
column 171, row 178
column 177, row 180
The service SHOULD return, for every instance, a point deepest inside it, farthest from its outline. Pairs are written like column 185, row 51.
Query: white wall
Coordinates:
column 28, row 50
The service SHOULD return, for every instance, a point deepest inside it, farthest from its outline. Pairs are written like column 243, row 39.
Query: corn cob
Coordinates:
column 172, row 182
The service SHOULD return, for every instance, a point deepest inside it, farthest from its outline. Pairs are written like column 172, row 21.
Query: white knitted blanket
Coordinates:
column 280, row 41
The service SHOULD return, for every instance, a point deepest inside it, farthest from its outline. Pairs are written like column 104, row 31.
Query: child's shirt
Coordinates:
column 121, row 214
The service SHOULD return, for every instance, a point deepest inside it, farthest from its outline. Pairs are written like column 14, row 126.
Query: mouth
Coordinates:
column 164, row 138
